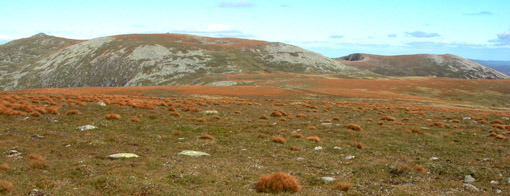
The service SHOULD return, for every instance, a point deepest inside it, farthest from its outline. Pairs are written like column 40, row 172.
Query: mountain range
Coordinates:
column 44, row 61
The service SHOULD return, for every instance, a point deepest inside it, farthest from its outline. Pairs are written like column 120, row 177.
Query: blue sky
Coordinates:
column 478, row 29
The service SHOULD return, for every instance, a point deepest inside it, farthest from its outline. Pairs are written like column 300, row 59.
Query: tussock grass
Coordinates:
column 278, row 182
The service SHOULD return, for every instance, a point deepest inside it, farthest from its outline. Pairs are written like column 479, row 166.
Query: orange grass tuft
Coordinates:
column 301, row 115
column 388, row 118
column 37, row 161
column 113, row 116
column 207, row 137
column 135, row 119
column 358, row 145
column 4, row 166
column 5, row 186
column 336, row 118
column 72, row 112
column 277, row 182
column 263, row 117
column 296, row 135
column 312, row 127
column 280, row 140
column 313, row 138
column 354, row 127
column 343, row 186
column 276, row 113
column 200, row 120
column 420, row 168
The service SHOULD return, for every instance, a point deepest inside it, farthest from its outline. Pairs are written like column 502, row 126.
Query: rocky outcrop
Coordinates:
column 43, row 61
column 422, row 65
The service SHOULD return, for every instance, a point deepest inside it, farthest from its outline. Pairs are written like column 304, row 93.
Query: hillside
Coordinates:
column 422, row 65
column 43, row 61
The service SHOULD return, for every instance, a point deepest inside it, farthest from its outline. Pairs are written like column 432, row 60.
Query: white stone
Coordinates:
column 123, row 155
column 469, row 179
column 349, row 157
column 328, row 179
column 300, row 158
column 318, row 148
column 494, row 182
column 193, row 153
column 86, row 127
column 434, row 158
column 471, row 187
column 101, row 103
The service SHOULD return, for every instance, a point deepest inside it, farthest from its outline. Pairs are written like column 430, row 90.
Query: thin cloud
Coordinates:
column 236, row 4
column 442, row 44
column 392, row 35
column 482, row 13
column 421, row 34
column 336, row 36
column 503, row 39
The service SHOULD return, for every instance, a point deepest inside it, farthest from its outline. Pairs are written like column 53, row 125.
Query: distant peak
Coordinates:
column 39, row 35
column 354, row 57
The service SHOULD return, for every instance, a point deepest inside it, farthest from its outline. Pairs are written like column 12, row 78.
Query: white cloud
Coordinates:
column 503, row 39
column 236, row 4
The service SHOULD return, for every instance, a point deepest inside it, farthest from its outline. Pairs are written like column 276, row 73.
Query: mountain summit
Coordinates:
column 43, row 61
column 447, row 65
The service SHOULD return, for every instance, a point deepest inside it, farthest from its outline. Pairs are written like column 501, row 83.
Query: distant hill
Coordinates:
column 43, row 61
column 421, row 65
column 501, row 66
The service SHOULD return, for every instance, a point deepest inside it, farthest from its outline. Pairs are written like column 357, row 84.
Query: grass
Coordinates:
column 71, row 161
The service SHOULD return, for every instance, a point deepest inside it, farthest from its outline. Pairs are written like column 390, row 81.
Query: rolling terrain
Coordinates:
column 449, row 66
column 391, row 136
column 43, row 61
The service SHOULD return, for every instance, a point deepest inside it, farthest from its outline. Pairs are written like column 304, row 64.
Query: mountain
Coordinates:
column 421, row 65
column 43, row 61
column 501, row 66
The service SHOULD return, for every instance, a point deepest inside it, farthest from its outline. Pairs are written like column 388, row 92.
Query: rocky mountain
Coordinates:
column 421, row 65
column 43, row 61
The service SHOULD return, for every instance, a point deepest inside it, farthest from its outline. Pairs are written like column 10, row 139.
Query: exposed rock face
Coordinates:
column 43, row 61
column 353, row 57
column 422, row 65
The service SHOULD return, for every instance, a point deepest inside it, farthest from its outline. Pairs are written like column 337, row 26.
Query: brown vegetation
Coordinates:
column 354, row 127
column 37, row 161
column 278, row 182
column 277, row 139
column 207, row 137
column 343, row 186
column 72, row 112
column 313, row 138
column 113, row 116
column 5, row 186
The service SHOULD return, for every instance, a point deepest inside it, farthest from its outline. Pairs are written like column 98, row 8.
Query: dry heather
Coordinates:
column 343, row 186
column 296, row 135
column 280, row 140
column 354, row 127
column 207, row 137
column 4, row 166
column 37, row 161
column 278, row 182
column 313, row 138
column 113, row 116
column 5, row 186
column 72, row 112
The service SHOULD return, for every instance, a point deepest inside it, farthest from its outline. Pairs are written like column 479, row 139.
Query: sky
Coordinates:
column 475, row 29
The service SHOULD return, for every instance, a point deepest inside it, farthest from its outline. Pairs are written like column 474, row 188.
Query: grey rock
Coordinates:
column 36, row 192
column 193, row 153
column 37, row 137
column 13, row 153
column 494, row 182
column 471, row 187
column 349, row 157
column 469, row 179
